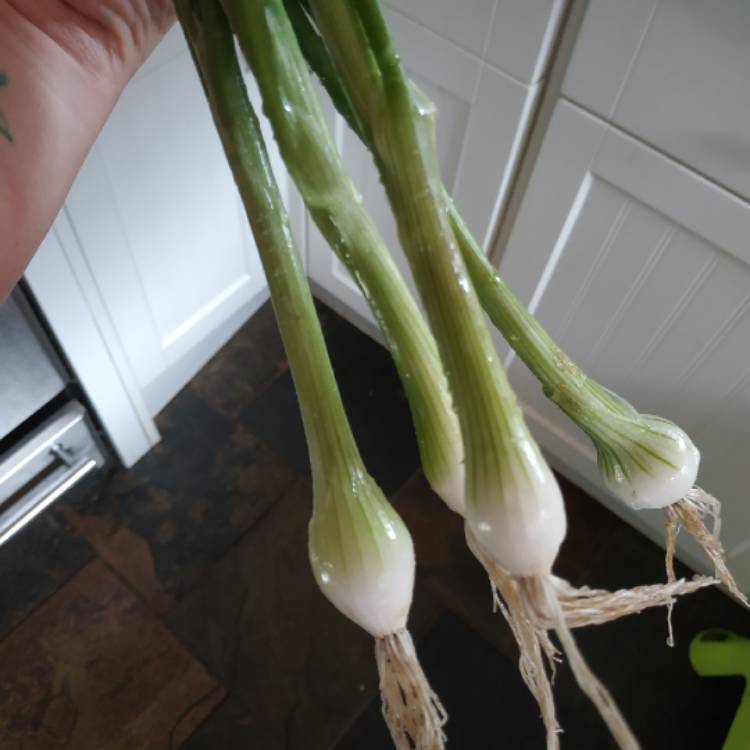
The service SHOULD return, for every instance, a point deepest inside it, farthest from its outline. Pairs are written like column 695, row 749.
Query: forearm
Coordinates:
column 60, row 81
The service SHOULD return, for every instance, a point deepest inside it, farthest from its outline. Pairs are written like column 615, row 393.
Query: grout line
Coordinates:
column 146, row 604
column 186, row 712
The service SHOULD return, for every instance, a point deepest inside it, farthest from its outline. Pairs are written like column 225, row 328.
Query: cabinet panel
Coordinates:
column 482, row 118
column 492, row 142
column 513, row 35
column 64, row 290
column 161, row 225
column 644, row 279
column 466, row 23
column 675, row 73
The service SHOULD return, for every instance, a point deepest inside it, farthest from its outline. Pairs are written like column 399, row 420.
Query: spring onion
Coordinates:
column 360, row 550
column 515, row 518
column 291, row 104
column 644, row 460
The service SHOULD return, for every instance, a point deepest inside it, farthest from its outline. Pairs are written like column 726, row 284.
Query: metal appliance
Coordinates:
column 48, row 442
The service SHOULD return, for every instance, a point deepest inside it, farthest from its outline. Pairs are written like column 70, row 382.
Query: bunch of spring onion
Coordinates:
column 291, row 104
column 360, row 551
column 644, row 460
column 515, row 519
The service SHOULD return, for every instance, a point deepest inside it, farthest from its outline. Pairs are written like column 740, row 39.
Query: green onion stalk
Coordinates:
column 514, row 513
column 289, row 100
column 361, row 552
column 644, row 460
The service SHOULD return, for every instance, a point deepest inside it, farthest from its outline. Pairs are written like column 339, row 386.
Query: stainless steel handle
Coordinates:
column 32, row 505
column 51, row 460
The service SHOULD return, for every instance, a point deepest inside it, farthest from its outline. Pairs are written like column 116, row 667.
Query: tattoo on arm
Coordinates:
column 4, row 128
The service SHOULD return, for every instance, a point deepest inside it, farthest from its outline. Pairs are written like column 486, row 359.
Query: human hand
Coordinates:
column 63, row 64
column 108, row 37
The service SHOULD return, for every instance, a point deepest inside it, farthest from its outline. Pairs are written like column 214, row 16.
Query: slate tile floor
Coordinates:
column 171, row 606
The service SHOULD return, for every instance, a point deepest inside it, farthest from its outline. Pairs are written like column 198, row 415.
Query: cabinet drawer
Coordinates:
column 676, row 74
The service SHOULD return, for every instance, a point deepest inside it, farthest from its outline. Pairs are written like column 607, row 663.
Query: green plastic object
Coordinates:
column 721, row 653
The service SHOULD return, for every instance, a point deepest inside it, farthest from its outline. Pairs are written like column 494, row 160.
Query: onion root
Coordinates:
column 690, row 514
column 412, row 711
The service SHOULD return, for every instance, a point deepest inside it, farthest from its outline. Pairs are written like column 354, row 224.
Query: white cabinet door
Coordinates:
column 640, row 268
column 675, row 73
column 483, row 115
column 159, row 222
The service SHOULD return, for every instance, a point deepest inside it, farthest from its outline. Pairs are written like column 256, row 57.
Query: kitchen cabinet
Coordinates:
column 481, row 63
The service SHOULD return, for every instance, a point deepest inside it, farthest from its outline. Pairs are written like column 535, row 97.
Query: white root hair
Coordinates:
column 542, row 589
column 584, row 606
column 690, row 514
column 533, row 606
column 413, row 712
column 533, row 641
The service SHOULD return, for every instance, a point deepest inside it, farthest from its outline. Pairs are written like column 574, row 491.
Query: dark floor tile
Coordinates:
column 445, row 566
column 327, row 317
column 41, row 557
column 185, row 503
column 248, row 362
column 93, row 668
column 374, row 401
column 590, row 526
column 230, row 727
column 277, row 421
column 628, row 559
column 245, row 366
column 259, row 622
